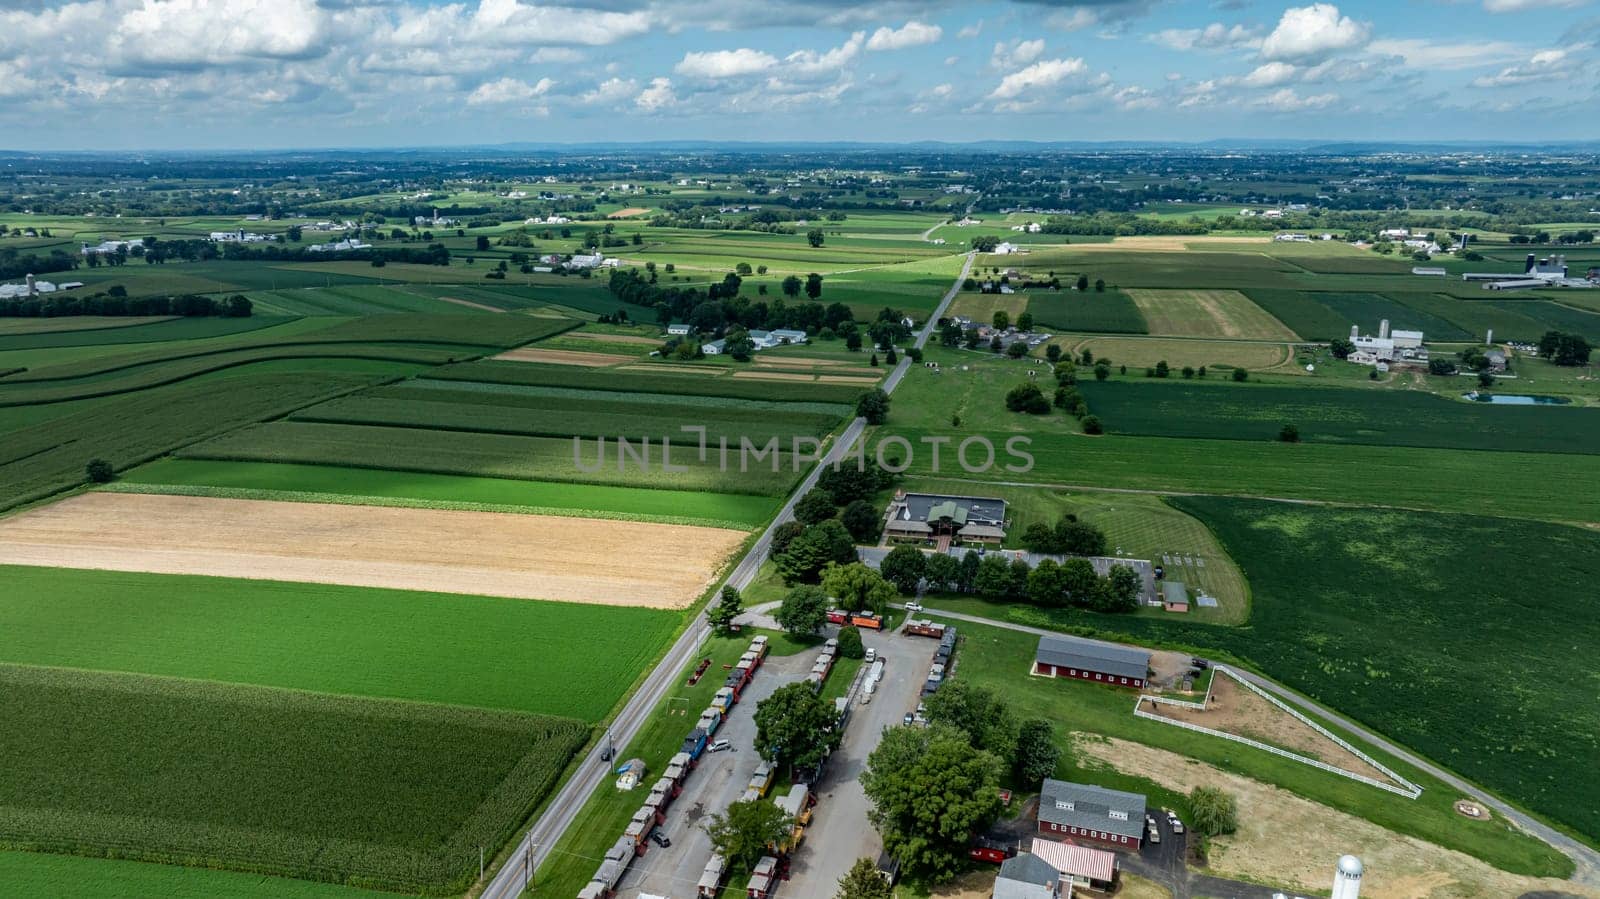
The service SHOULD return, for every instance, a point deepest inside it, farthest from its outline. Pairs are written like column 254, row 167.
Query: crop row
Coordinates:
column 372, row 793
column 536, row 374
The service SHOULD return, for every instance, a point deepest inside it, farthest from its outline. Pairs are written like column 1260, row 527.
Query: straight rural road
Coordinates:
column 536, row 846
column 1585, row 859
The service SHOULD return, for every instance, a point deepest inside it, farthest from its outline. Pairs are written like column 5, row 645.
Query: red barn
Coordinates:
column 1091, row 660
column 1081, row 813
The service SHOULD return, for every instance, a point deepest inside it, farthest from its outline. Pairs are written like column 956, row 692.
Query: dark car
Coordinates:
column 660, row 839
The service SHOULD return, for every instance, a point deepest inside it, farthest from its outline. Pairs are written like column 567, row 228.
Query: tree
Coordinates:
column 99, row 471
column 726, row 610
column 1083, row 282
column 1564, row 349
column 852, row 340
column 1122, row 588
column 1027, row 398
column 890, row 358
column 1091, row 425
column 482, row 243
column 1053, row 353
column 992, row 579
column 1485, row 379
column 1080, row 538
column 1341, row 347
column 873, row 361
column 1241, row 375
column 815, row 237
column 943, row 571
column 849, row 483
column 1102, row 371
column 857, row 587
column 1289, row 434
column 783, row 535
column 1162, row 369
column 1001, row 320
column 850, row 642
column 1440, row 367
column 978, row 711
column 930, row 790
column 804, row 611
column 791, row 286
column 795, row 725
column 968, row 573
column 1038, row 755
column 1212, row 811
column 862, row 520
column 1045, row 584
column 742, row 834
column 1025, row 321
column 1017, row 349
column 238, row 306
column 863, row 881
column 815, row 507
column 904, row 567
column 813, row 550
column 1100, row 285
column 814, row 286
column 874, row 406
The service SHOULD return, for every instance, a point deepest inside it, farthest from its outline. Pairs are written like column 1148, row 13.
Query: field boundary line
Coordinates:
column 1407, row 789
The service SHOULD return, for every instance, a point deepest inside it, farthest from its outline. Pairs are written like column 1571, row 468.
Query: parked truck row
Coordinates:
column 942, row 659
column 644, row 827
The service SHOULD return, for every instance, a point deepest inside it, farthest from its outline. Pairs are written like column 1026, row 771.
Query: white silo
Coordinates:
column 1347, row 878
column 1383, row 329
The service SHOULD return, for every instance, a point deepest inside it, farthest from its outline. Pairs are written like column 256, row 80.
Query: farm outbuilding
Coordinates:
column 1174, row 596
column 1091, row 660
column 1082, row 813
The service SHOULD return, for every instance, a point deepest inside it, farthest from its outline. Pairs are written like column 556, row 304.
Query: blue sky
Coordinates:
column 130, row 74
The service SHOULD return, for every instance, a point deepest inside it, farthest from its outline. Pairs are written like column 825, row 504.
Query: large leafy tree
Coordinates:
column 726, row 610
column 863, row 881
column 978, row 711
column 904, row 567
column 856, row 586
column 795, row 725
column 930, row 789
column 815, row 507
column 742, row 833
column 1212, row 811
column 804, row 610
column 873, row 406
column 813, row 550
column 863, row 520
column 1038, row 754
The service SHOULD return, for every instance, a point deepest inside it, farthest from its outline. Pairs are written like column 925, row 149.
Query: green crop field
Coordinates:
column 9, row 326
column 326, row 483
column 1368, row 309
column 1335, row 415
column 42, row 874
column 169, row 329
column 714, row 383
column 1110, row 311
column 571, row 660
column 1304, row 315
column 375, row 793
column 494, row 455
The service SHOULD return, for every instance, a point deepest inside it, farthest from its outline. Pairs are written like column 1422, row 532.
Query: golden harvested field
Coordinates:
column 798, row 361
column 1284, row 839
column 612, row 338
column 1143, row 352
column 1207, row 313
column 675, row 369
column 1175, row 243
column 774, row 376
column 628, row 213
column 487, row 553
column 562, row 357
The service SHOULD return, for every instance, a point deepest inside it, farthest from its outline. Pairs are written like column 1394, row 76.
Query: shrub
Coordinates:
column 99, row 471
column 850, row 643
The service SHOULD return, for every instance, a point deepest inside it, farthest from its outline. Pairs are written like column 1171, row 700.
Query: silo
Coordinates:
column 1347, row 878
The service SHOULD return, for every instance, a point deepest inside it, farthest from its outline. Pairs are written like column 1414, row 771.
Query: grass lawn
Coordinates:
column 529, row 656
column 350, row 790
column 1140, row 353
column 328, row 483
column 43, row 874
column 1000, row 659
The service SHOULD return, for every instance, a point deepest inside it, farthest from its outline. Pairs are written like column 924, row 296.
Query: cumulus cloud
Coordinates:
column 1434, row 55
column 1014, row 54
column 1270, row 74
column 657, row 96
column 971, row 31
column 1287, row 100
column 714, row 64
column 1038, row 76
column 1312, row 33
column 1542, row 67
column 1215, row 36
column 1073, row 20
column 610, row 91
column 911, row 34
column 1505, row 6
column 508, row 90
column 556, row 55
column 191, row 34
column 813, row 62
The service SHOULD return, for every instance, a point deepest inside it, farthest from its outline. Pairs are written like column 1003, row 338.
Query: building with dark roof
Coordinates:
column 1091, row 660
column 1088, row 814
column 932, row 516
column 1027, row 877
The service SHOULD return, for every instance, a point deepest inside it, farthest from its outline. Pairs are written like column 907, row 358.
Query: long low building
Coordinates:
column 1082, row 813
column 1091, row 660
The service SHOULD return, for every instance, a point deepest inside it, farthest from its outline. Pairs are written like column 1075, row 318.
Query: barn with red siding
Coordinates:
column 1091, row 660
column 1080, row 813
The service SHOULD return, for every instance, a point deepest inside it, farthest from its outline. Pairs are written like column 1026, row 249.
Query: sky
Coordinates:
column 243, row 74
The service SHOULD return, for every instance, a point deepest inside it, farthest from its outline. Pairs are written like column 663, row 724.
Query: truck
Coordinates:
column 875, row 673
column 723, row 700
column 710, row 720
column 924, row 627
column 753, row 658
column 763, row 880
column 669, row 786
column 759, row 646
column 735, row 683
column 761, row 780
column 694, row 744
column 838, row 616
column 867, row 620
column 710, row 885
column 678, row 769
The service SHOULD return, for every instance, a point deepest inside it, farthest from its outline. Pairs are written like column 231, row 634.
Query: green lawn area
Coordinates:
column 349, row 790
column 44, row 874
column 1000, row 659
column 329, row 483
column 530, row 656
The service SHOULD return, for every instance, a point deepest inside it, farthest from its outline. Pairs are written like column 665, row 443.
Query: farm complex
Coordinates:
column 641, row 523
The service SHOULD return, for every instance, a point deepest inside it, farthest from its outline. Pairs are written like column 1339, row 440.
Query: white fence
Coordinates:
column 1406, row 788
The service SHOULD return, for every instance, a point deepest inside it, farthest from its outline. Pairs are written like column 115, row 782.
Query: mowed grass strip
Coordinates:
column 1207, row 313
column 572, row 461
column 349, row 790
column 332, row 484
column 540, row 657
column 1334, row 415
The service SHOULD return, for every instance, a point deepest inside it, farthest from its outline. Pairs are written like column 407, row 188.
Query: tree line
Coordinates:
column 116, row 302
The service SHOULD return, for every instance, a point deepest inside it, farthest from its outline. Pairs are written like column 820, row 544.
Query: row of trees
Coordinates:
column 116, row 302
column 1565, row 349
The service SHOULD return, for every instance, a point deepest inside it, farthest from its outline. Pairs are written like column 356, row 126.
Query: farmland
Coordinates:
column 1110, row 311
column 1206, row 313
column 312, row 786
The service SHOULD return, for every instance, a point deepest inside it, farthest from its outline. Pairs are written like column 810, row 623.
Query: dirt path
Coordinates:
column 1284, row 838
column 486, row 553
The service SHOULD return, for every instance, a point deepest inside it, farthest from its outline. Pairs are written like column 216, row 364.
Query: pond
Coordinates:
column 1512, row 399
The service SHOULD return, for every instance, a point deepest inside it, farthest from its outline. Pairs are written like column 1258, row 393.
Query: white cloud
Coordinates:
column 1040, row 75
column 1312, row 33
column 1270, row 74
column 1424, row 54
column 508, row 90
column 725, row 63
column 559, row 55
column 811, row 62
column 971, row 31
column 911, row 34
column 941, row 90
column 1074, row 20
column 610, row 91
column 1015, row 54
column 1215, row 36
column 188, row 34
column 1542, row 67
column 1287, row 100
column 1504, row 6
column 657, row 96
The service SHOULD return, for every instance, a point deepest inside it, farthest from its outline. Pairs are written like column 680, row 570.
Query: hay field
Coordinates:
column 1170, row 243
column 1142, row 352
column 563, row 357
column 485, row 553
column 1207, row 313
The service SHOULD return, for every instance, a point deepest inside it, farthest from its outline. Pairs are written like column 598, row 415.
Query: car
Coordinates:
column 872, row 654
column 908, row 718
column 1177, row 826
column 606, row 753
column 913, row 607
column 720, row 746
column 1155, row 835
column 660, row 839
